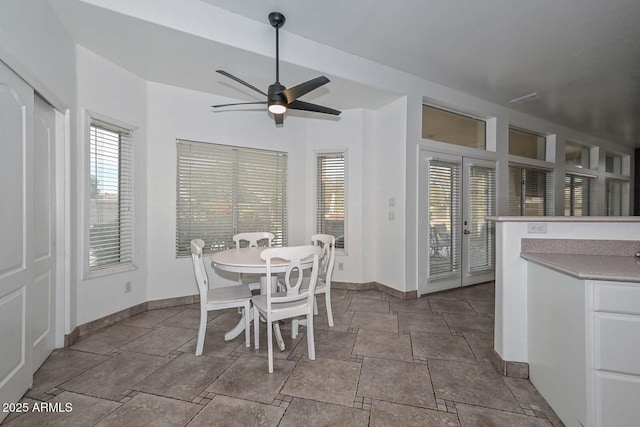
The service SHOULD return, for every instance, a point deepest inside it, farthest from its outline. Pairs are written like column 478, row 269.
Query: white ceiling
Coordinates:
column 582, row 57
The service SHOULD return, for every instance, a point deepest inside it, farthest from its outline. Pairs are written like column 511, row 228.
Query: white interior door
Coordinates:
column 16, row 244
column 43, row 293
column 456, row 245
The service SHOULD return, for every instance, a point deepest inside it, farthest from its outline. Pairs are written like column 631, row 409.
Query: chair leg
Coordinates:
column 294, row 329
column 311, row 348
column 202, row 330
column 247, row 324
column 278, row 334
column 315, row 305
column 256, row 327
column 270, row 345
column 327, row 297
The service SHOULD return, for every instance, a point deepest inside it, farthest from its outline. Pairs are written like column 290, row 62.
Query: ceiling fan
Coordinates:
column 279, row 98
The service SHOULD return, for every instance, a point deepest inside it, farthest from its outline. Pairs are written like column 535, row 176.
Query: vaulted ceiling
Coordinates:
column 581, row 57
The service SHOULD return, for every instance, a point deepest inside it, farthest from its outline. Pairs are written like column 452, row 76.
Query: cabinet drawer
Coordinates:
column 617, row 398
column 616, row 298
column 617, row 343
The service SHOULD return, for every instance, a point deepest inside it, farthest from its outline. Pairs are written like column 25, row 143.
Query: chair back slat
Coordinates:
column 252, row 238
column 327, row 259
column 295, row 255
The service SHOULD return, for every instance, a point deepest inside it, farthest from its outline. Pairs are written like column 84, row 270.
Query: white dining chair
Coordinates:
column 217, row 298
column 252, row 239
column 323, row 286
column 292, row 301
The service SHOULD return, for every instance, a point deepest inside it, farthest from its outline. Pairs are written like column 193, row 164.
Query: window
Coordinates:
column 577, row 155
column 224, row 190
column 617, row 191
column 452, row 128
column 613, row 163
column 530, row 191
column 330, row 195
column 579, row 195
column 111, row 196
column 527, row 144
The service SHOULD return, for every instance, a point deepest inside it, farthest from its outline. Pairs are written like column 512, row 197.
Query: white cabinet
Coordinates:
column 615, row 368
column 584, row 347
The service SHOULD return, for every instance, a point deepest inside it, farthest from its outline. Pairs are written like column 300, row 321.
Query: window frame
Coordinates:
column 317, row 155
column 109, row 123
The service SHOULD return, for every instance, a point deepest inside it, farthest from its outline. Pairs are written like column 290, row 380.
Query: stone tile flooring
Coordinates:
column 386, row 362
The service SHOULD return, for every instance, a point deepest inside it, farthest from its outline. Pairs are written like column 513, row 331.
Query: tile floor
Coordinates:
column 386, row 362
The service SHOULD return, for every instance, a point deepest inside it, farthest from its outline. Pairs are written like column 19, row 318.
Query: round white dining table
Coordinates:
column 248, row 261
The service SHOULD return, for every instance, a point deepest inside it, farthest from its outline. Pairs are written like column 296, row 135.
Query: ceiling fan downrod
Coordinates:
column 276, row 19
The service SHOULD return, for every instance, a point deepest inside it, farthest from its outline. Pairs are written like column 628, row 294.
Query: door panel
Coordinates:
column 478, row 238
column 16, row 247
column 43, row 315
column 456, row 243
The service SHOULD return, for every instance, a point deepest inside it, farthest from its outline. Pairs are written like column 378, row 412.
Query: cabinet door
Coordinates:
column 617, row 347
column 617, row 398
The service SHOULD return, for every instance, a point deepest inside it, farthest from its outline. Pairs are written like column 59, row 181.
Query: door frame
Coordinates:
column 422, row 249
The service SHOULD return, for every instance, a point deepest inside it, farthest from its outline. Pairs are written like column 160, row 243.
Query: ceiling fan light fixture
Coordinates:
column 277, row 108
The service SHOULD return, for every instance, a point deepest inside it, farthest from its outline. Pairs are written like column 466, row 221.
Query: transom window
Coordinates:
column 527, row 144
column 453, row 128
column 224, row 190
column 577, row 155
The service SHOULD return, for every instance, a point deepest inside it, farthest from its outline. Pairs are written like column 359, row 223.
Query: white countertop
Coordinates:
column 590, row 267
column 564, row 218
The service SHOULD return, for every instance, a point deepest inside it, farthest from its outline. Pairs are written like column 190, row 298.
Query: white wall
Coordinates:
column 175, row 113
column 386, row 180
column 36, row 45
column 115, row 95
column 330, row 135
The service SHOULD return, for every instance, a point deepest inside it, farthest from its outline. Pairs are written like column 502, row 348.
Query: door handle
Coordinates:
column 466, row 232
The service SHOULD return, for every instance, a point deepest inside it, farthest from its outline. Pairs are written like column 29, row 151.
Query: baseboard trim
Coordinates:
column 87, row 328
column 350, row 286
column 509, row 368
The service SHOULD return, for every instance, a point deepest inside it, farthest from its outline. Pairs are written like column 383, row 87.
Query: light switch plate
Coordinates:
column 537, row 227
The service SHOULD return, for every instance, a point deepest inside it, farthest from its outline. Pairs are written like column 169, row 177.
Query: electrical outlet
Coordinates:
column 127, row 287
column 537, row 227
column 340, row 266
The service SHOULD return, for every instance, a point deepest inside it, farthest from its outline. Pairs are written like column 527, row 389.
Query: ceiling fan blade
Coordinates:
column 307, row 106
column 296, row 92
column 239, row 80
column 279, row 118
column 238, row 103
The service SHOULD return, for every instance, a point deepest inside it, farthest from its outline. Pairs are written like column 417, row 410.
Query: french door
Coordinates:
column 456, row 242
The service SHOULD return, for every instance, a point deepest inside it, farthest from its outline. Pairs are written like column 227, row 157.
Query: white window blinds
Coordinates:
column 111, row 196
column 481, row 203
column 530, row 191
column 444, row 219
column 579, row 195
column 224, row 190
column 330, row 196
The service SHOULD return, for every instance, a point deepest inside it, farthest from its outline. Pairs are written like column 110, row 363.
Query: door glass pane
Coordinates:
column 444, row 219
column 445, row 126
column 615, row 197
column 481, row 204
column 579, row 195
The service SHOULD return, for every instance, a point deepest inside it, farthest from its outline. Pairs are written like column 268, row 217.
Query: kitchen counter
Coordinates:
column 590, row 267
column 612, row 260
